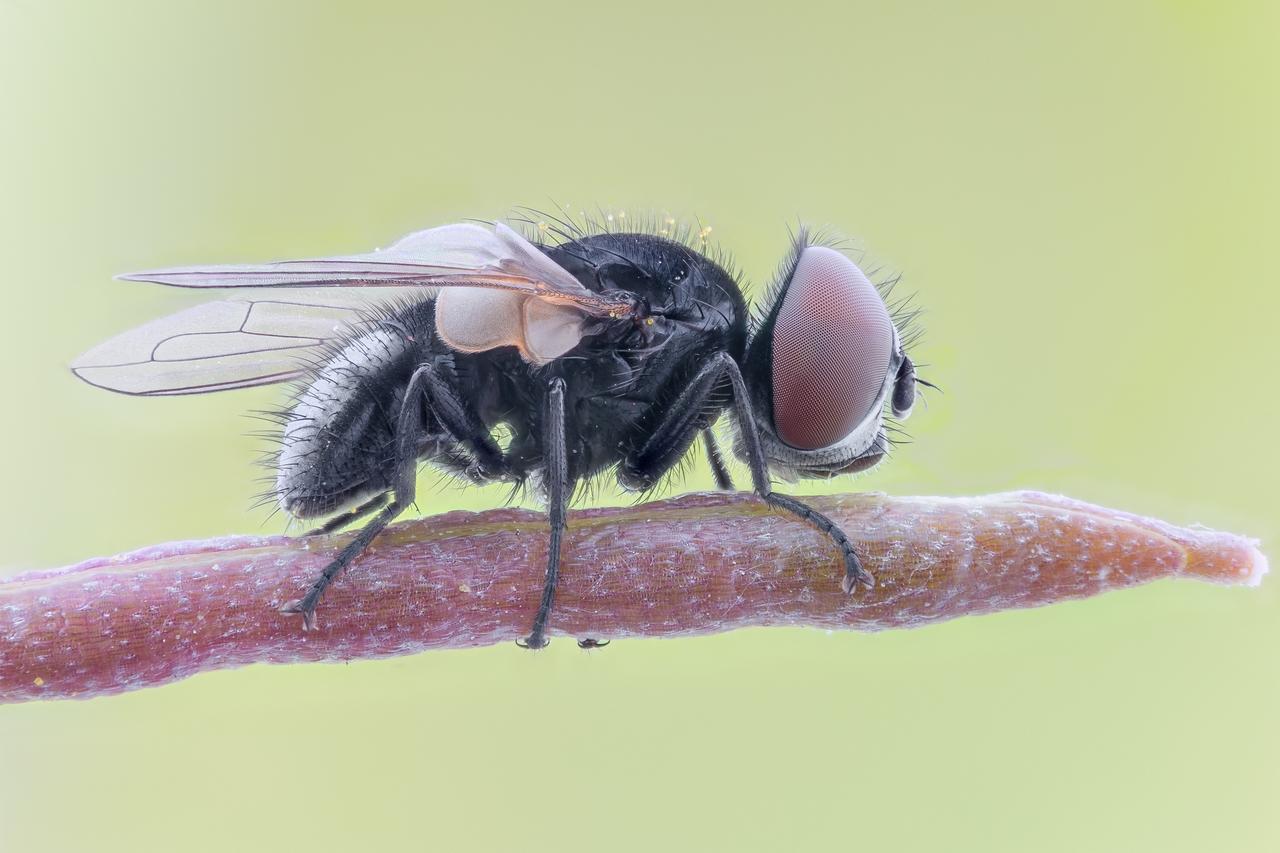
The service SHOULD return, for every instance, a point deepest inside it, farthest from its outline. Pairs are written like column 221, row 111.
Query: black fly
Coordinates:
column 604, row 350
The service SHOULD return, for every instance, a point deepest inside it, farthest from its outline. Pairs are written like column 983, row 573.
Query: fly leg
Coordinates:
column 456, row 421
column 559, row 489
column 338, row 522
column 461, row 423
column 724, row 482
column 677, row 429
column 407, row 428
column 854, row 573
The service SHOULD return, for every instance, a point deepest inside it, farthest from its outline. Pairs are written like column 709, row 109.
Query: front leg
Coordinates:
column 559, row 488
column 679, row 425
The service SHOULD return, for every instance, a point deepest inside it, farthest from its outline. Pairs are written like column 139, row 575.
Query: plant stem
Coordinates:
column 696, row 565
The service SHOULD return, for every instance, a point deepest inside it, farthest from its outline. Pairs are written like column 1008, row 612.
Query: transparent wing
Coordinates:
column 462, row 255
column 493, row 288
column 218, row 346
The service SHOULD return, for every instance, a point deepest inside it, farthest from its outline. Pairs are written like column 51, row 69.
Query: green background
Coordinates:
column 1084, row 197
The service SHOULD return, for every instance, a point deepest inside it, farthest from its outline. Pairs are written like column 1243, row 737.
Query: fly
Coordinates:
column 596, row 352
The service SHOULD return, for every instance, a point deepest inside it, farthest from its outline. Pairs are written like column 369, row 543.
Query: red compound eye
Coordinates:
column 832, row 343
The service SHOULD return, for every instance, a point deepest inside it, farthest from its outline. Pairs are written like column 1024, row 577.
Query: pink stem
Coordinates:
column 696, row 565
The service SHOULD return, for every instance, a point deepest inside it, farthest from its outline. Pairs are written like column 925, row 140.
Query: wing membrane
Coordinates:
column 532, row 303
column 217, row 346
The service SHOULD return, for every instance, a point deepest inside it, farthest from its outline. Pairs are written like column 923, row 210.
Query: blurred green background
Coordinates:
column 1084, row 197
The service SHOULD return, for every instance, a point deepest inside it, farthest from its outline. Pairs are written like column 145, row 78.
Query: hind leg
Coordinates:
column 340, row 521
column 458, row 422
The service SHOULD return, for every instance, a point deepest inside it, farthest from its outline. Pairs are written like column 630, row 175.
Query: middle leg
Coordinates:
column 559, row 489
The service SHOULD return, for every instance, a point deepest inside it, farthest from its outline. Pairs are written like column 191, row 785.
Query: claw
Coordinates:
column 308, row 613
column 533, row 643
column 855, row 577
column 588, row 643
column 482, row 475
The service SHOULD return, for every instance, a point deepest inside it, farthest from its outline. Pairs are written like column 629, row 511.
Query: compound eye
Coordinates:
column 832, row 347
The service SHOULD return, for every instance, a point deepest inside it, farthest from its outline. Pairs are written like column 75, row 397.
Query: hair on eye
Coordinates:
column 902, row 309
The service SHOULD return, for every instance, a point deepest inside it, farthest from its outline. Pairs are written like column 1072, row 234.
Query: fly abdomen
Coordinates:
column 338, row 444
